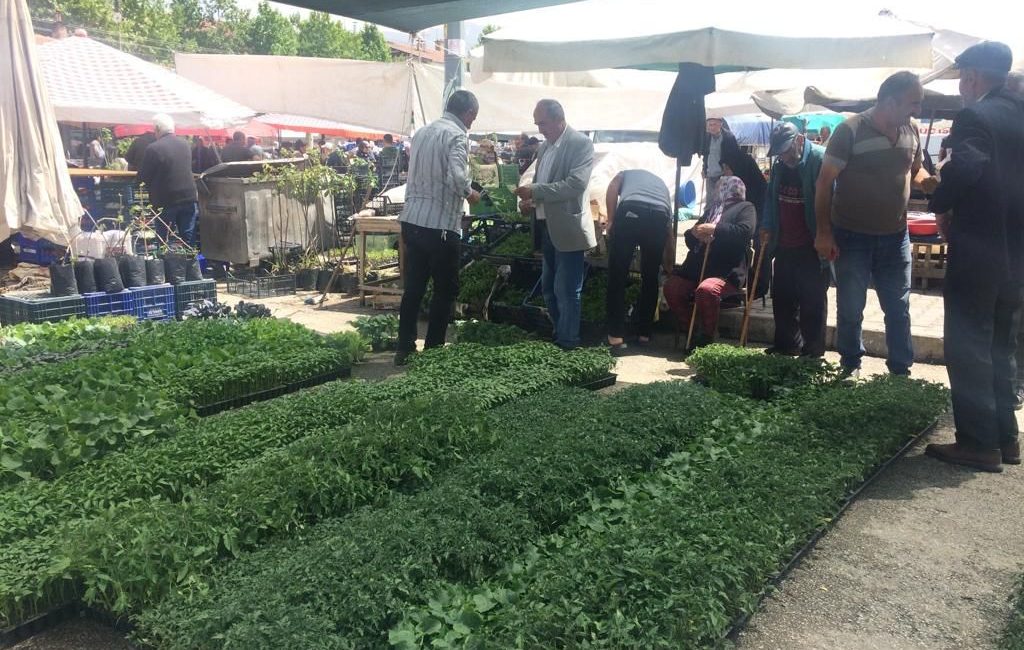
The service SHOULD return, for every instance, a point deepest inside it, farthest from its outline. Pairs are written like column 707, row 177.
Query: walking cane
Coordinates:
column 693, row 314
column 758, row 262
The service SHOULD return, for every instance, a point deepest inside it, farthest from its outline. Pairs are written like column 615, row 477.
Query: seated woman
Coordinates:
column 727, row 228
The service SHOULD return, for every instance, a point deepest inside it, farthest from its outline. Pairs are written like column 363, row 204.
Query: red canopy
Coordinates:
column 267, row 126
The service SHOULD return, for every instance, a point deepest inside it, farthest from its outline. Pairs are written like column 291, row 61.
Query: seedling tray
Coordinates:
column 740, row 623
column 600, row 382
column 269, row 393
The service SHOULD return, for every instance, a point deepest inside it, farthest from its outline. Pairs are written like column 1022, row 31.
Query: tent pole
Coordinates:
column 452, row 59
column 675, row 211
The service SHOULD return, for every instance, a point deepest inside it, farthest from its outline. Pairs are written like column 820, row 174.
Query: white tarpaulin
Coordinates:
column 37, row 196
column 372, row 96
column 658, row 32
column 95, row 83
column 399, row 97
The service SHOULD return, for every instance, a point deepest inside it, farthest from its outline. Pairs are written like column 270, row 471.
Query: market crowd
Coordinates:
column 831, row 211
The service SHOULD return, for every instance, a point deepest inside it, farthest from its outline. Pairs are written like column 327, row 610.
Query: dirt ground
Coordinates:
column 926, row 558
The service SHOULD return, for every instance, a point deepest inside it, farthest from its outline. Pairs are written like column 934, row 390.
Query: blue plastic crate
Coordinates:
column 154, row 302
column 109, row 304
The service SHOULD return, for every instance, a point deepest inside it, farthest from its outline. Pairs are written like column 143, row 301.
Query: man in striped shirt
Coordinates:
column 438, row 184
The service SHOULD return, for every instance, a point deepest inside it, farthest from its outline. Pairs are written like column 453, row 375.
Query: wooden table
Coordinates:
column 363, row 227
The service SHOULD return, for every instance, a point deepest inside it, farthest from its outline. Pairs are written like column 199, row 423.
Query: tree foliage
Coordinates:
column 155, row 29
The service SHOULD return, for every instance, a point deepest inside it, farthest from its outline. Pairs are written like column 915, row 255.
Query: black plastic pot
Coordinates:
column 62, row 280
column 323, row 277
column 85, row 276
column 175, row 268
column 193, row 270
column 155, row 272
column 108, row 276
column 305, row 279
column 133, row 271
column 346, row 283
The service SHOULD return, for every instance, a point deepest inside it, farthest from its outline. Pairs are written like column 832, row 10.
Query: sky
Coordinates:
column 994, row 19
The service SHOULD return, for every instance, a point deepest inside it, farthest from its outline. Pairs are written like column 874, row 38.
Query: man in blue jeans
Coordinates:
column 860, row 207
column 558, row 196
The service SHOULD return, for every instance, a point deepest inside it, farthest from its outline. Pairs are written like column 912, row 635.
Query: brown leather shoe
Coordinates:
column 986, row 461
column 1011, row 453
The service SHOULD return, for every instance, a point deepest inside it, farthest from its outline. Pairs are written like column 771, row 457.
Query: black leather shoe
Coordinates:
column 957, row 454
column 1011, row 452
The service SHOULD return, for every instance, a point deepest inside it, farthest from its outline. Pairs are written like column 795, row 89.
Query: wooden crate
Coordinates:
column 928, row 263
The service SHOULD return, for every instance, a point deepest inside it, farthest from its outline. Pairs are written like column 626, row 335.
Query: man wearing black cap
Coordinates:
column 800, row 285
column 980, row 203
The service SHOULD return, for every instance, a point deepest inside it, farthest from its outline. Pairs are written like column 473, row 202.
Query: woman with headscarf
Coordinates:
column 727, row 228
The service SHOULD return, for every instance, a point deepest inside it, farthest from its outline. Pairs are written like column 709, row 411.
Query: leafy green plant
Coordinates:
column 486, row 333
column 38, row 519
column 518, row 244
column 594, row 299
column 475, row 282
column 380, row 330
column 27, row 344
column 460, row 528
column 752, row 373
column 682, row 552
column 61, row 414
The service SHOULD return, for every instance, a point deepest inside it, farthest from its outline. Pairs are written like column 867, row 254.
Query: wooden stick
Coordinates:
column 693, row 314
column 758, row 262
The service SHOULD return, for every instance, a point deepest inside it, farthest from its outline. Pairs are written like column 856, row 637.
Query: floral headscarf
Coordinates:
column 731, row 191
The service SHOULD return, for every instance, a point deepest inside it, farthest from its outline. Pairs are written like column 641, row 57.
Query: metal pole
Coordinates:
column 453, row 50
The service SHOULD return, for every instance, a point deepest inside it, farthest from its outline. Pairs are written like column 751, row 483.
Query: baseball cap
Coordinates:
column 782, row 138
column 990, row 56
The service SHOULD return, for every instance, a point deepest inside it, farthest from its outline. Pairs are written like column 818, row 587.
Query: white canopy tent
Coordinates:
column 364, row 94
column 95, row 83
column 400, row 97
column 661, row 32
column 35, row 188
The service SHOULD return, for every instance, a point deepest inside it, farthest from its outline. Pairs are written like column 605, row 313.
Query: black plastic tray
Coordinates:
column 600, row 382
column 277, row 391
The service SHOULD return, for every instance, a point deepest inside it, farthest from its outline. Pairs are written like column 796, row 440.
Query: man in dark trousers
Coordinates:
column 980, row 207
column 800, row 285
column 167, row 172
column 639, row 216
column 438, row 184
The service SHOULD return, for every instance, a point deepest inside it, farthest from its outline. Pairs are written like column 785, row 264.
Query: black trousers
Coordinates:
column 636, row 225
column 982, row 318
column 429, row 255
column 800, row 300
column 1020, row 358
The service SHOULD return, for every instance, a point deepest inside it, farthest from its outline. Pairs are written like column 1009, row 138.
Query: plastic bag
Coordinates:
column 85, row 276
column 108, row 275
column 133, row 271
column 62, row 280
column 155, row 272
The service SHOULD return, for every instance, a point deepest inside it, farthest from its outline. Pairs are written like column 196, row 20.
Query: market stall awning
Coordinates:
column 379, row 97
column 95, row 83
column 36, row 196
column 305, row 124
column 786, row 92
column 253, row 128
column 663, row 33
column 414, row 15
